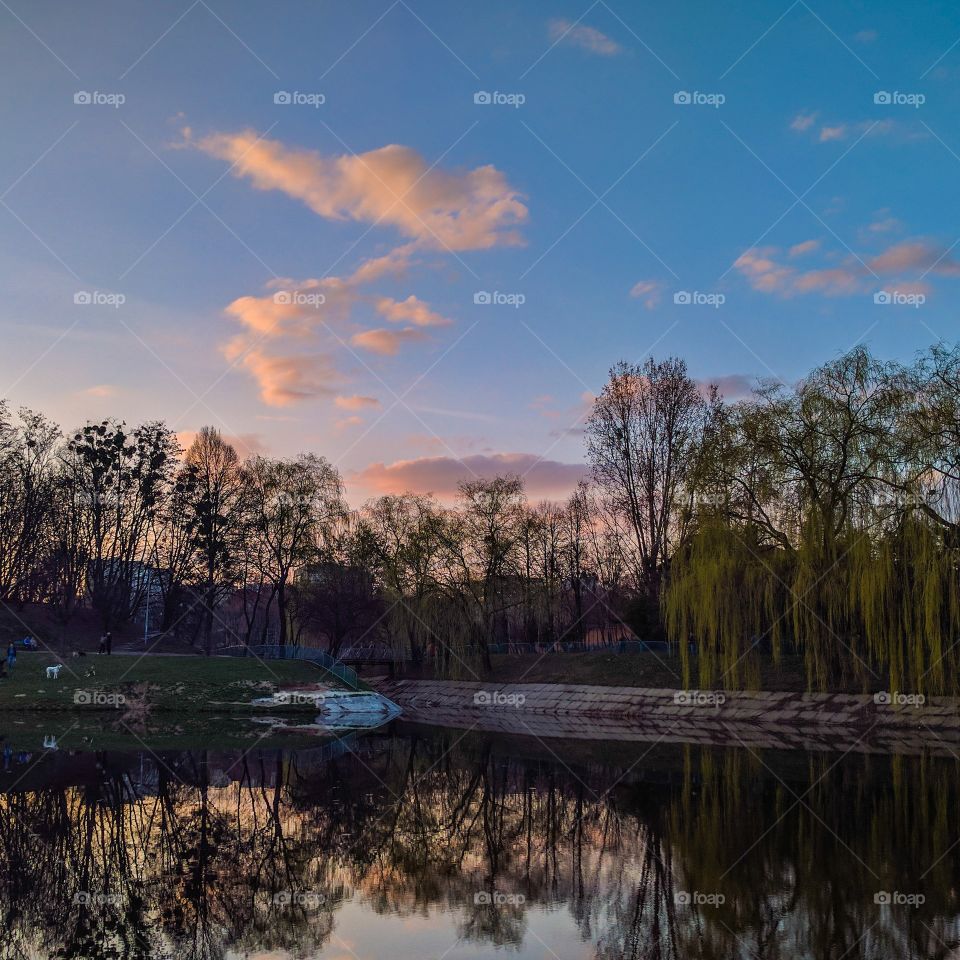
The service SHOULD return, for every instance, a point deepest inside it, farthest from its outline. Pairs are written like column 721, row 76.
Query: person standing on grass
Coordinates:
column 103, row 643
column 11, row 656
column 109, row 639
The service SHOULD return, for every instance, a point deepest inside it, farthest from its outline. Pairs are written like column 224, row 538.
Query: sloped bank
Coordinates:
column 861, row 723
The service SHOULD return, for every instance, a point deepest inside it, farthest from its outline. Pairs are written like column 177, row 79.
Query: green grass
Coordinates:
column 606, row 669
column 153, row 685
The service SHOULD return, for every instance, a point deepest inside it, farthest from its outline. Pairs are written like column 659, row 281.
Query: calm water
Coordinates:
column 420, row 843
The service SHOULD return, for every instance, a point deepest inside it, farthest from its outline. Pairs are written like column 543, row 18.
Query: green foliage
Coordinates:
column 825, row 521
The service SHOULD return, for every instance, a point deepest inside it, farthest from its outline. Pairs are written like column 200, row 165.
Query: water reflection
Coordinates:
column 420, row 842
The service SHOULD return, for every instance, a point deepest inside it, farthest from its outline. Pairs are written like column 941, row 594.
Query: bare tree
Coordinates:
column 291, row 502
column 642, row 439
column 216, row 491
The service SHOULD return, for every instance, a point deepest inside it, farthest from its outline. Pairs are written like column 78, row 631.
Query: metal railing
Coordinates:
column 575, row 646
column 276, row 652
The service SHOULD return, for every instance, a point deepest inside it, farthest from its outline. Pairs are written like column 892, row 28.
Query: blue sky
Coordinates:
column 786, row 192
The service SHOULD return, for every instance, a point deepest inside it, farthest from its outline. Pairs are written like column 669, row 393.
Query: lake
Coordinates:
column 419, row 843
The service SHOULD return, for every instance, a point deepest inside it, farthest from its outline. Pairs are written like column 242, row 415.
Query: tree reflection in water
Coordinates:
column 688, row 853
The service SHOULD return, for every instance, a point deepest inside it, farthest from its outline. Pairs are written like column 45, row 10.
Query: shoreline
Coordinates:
column 819, row 722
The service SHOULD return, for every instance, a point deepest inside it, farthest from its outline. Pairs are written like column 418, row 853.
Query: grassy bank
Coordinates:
column 145, row 686
column 88, row 732
column 627, row 670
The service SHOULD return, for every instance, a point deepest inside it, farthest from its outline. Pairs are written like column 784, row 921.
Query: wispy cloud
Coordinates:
column 357, row 402
column 393, row 185
column 803, row 121
column 387, row 343
column 767, row 272
column 440, row 475
column 803, row 248
column 286, row 378
column 587, row 38
column 412, row 310
column 649, row 291
column 101, row 390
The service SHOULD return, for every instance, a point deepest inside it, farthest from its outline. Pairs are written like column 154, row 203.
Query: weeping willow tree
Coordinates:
column 821, row 526
column 905, row 596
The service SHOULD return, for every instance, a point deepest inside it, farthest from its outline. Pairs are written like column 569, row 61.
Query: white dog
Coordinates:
column 53, row 673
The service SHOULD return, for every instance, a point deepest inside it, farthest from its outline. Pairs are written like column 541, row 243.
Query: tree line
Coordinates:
column 817, row 519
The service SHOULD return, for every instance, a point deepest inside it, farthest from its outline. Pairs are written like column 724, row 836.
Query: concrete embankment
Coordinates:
column 861, row 723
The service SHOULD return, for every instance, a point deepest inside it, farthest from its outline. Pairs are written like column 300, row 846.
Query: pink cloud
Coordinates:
column 801, row 249
column 915, row 254
column 767, row 274
column 732, row 386
column 284, row 379
column 549, row 479
column 387, row 343
column 412, row 310
column 648, row 291
column 470, row 210
column 101, row 390
column 348, row 423
column 837, row 132
column 356, row 402
column 311, row 310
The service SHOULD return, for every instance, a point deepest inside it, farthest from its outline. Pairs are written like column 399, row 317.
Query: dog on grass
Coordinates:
column 53, row 673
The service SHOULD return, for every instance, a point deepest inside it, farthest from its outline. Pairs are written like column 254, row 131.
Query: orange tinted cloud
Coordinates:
column 356, row 402
column 440, row 475
column 285, row 379
column 470, row 210
column 766, row 273
column 312, row 309
column 386, row 342
column 100, row 390
column 915, row 254
column 348, row 423
column 412, row 310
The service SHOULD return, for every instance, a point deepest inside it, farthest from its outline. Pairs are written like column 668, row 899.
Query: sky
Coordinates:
column 413, row 236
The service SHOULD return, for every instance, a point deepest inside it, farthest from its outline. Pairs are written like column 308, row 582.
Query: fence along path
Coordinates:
column 319, row 657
